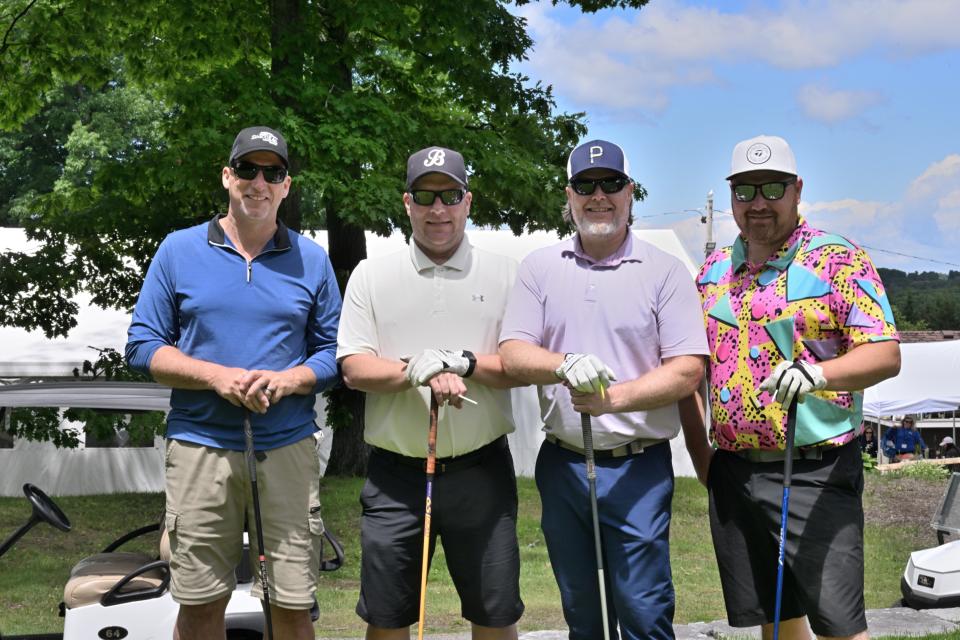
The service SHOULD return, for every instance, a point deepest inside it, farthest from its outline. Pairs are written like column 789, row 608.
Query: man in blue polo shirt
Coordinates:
column 240, row 314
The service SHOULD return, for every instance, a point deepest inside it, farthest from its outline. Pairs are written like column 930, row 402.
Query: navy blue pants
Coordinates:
column 634, row 496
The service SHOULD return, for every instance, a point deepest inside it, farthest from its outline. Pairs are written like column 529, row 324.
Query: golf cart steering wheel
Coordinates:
column 45, row 509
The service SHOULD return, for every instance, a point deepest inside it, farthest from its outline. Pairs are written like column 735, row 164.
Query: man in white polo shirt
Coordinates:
column 425, row 320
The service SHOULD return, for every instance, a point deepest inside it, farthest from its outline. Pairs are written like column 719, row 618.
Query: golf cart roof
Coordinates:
column 141, row 396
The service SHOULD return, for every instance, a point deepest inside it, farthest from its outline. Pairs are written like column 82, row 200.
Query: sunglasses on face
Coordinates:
column 249, row 171
column 586, row 186
column 426, row 197
column 770, row 190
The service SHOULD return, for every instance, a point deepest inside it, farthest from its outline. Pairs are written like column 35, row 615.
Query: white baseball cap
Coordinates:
column 946, row 440
column 763, row 153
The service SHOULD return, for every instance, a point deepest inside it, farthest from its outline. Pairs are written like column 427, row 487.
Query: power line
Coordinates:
column 907, row 255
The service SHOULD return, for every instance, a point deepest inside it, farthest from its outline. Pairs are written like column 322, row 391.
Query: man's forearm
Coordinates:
column 172, row 367
column 370, row 373
column 530, row 363
column 676, row 378
column 862, row 366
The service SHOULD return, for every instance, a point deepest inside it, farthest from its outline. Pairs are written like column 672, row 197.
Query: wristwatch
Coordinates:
column 472, row 359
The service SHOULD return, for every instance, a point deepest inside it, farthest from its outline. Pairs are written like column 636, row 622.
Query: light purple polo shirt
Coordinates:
column 631, row 310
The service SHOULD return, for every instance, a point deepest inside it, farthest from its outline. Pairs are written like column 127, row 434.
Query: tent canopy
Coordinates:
column 929, row 381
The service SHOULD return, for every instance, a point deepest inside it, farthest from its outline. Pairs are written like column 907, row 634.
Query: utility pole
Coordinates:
column 708, row 219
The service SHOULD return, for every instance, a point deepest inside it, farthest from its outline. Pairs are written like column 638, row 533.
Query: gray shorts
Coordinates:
column 208, row 498
column 823, row 565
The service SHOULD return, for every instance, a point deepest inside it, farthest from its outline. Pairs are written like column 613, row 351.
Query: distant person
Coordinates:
column 868, row 443
column 607, row 324
column 948, row 449
column 792, row 312
column 905, row 442
column 239, row 314
column 424, row 320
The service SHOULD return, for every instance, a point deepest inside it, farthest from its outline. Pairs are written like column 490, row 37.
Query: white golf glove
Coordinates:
column 793, row 380
column 585, row 372
column 430, row 362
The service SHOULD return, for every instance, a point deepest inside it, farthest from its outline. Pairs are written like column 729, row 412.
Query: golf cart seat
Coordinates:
column 114, row 577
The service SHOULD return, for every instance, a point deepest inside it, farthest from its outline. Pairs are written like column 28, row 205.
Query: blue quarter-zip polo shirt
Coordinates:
column 278, row 311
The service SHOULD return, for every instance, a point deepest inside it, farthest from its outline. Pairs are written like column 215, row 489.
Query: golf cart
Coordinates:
column 932, row 577
column 121, row 594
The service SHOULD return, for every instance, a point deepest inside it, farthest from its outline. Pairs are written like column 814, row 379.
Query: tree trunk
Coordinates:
column 347, row 248
column 286, row 70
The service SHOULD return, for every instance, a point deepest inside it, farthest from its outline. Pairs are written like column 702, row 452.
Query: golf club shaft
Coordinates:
column 784, row 511
column 262, row 558
column 431, row 467
column 587, row 427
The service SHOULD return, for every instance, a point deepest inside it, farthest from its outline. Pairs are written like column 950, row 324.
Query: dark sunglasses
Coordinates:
column 249, row 171
column 426, row 197
column 586, row 186
column 770, row 190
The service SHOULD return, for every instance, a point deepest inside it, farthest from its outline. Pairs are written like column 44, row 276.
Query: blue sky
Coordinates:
column 865, row 91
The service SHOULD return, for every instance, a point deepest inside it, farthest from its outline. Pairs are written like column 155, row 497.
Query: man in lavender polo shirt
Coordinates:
column 607, row 324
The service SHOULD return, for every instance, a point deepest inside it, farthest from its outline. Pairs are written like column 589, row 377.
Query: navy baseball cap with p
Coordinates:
column 436, row 160
column 259, row 139
column 597, row 154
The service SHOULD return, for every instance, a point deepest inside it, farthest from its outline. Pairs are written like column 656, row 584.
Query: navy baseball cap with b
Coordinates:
column 598, row 154
column 436, row 160
column 259, row 139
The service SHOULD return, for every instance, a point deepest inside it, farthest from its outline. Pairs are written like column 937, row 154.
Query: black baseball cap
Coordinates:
column 436, row 160
column 259, row 139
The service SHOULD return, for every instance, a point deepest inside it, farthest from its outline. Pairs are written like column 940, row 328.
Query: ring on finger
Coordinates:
column 268, row 391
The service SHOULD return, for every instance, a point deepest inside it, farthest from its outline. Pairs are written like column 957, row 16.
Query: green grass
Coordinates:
column 33, row 573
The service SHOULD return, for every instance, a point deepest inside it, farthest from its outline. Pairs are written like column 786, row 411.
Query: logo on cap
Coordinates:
column 434, row 158
column 596, row 151
column 758, row 153
column 266, row 136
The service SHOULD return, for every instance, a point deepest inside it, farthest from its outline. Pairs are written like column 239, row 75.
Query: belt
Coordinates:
column 444, row 465
column 624, row 450
column 779, row 455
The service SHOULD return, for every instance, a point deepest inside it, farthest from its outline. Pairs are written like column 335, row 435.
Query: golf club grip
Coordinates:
column 586, row 427
column 248, row 441
column 789, row 437
column 432, row 436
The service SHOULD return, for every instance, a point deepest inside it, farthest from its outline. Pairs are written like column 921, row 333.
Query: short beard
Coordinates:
column 598, row 229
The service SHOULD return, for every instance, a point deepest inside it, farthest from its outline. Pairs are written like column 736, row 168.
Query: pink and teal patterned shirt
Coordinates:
column 816, row 299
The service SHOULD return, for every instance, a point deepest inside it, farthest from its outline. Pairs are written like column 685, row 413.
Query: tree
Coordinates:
column 355, row 85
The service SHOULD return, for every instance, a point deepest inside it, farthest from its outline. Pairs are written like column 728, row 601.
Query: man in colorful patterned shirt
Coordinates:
column 791, row 312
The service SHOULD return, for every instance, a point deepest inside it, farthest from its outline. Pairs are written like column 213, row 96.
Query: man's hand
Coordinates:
column 793, row 379
column 585, row 373
column 430, row 362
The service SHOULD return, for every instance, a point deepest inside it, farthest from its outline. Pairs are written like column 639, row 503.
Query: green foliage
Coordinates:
column 923, row 300
column 922, row 470
column 47, row 423
column 133, row 107
column 869, row 462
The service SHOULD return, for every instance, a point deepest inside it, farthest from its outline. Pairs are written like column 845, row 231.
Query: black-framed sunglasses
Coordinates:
column 426, row 197
column 586, row 186
column 248, row 171
column 769, row 191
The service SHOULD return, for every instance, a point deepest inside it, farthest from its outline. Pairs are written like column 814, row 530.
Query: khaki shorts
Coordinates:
column 208, row 498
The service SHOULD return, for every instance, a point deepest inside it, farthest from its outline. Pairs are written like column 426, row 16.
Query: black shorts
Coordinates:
column 474, row 513
column 823, row 565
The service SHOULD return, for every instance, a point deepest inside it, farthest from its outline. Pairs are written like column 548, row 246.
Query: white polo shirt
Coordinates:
column 402, row 303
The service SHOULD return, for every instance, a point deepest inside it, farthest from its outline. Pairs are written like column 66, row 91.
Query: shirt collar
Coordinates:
column 459, row 261
column 216, row 235
column 780, row 260
column 628, row 251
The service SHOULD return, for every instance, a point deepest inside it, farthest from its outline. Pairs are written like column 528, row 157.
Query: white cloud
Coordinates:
column 936, row 176
column 833, row 106
column 634, row 61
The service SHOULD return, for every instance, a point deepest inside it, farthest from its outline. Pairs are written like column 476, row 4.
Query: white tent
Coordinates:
column 30, row 353
column 929, row 381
